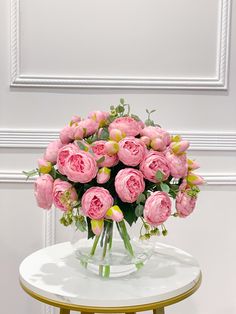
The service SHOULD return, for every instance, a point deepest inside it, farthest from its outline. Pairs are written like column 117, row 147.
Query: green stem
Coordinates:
column 95, row 243
column 126, row 238
column 110, row 237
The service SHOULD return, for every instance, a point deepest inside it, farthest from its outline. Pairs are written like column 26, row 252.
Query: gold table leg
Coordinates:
column 64, row 311
column 159, row 311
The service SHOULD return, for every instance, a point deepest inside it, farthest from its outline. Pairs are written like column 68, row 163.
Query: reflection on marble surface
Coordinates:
column 57, row 274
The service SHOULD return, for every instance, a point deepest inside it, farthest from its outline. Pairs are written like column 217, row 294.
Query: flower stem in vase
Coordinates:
column 95, row 243
column 104, row 270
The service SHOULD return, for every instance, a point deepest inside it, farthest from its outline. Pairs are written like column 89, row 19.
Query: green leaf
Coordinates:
column 141, row 198
column 139, row 210
column 30, row 173
column 135, row 117
column 104, row 134
column 120, row 109
column 165, row 187
column 122, row 101
column 149, row 122
column 147, row 111
column 81, row 224
column 81, row 145
column 90, row 232
column 100, row 160
column 159, row 175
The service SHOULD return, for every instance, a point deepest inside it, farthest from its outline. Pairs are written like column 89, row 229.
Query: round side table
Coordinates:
column 54, row 276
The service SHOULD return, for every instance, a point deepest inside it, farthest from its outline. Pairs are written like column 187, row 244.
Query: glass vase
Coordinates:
column 114, row 253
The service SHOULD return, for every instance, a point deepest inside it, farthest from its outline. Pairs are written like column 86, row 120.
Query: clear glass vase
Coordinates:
column 112, row 254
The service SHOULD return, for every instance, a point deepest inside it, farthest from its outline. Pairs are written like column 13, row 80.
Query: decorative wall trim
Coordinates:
column 218, row 82
column 23, row 138
column 211, row 179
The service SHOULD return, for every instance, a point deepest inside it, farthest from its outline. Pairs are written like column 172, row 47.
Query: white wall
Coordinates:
column 168, row 44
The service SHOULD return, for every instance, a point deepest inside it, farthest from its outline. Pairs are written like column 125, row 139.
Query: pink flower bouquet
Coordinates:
column 111, row 169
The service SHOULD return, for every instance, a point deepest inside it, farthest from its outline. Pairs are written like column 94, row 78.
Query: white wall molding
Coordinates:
column 217, row 82
column 211, row 179
column 30, row 138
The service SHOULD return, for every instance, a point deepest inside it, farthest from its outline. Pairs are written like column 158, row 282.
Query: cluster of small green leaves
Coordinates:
column 73, row 216
column 193, row 191
column 147, row 231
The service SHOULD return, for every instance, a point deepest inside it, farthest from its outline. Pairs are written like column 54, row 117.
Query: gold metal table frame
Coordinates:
column 156, row 307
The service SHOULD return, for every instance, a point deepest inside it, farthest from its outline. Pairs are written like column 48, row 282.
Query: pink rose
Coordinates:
column 95, row 202
column 157, row 208
column 154, row 131
column 67, row 134
column 185, row 203
column 146, row 140
column 127, row 125
column 64, row 154
column 61, row 199
column 131, row 151
column 80, row 167
column 43, row 188
column 98, row 150
column 97, row 226
column 129, row 184
column 86, row 128
column 116, row 135
column 99, row 116
column 52, row 151
column 152, row 162
column 192, row 164
column 178, row 164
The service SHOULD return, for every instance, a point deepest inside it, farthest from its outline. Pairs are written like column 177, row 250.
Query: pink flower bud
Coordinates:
column 67, row 134
column 194, row 179
column 115, row 213
column 74, row 120
column 193, row 165
column 158, row 144
column 146, row 140
column 179, row 147
column 176, row 138
column 97, row 226
column 116, row 135
column 103, row 175
column 44, row 166
column 111, row 148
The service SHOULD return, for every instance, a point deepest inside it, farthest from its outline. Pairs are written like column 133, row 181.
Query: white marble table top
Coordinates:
column 56, row 274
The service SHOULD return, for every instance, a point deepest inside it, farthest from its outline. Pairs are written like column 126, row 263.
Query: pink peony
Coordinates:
column 43, row 188
column 98, row 150
column 157, row 208
column 129, row 184
column 64, row 154
column 80, row 167
column 178, row 164
column 131, row 151
column 99, row 116
column 52, row 151
column 127, row 125
column 95, row 202
column 60, row 199
column 185, row 203
column 67, row 134
column 85, row 128
column 152, row 162
column 154, row 131
column 158, row 144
